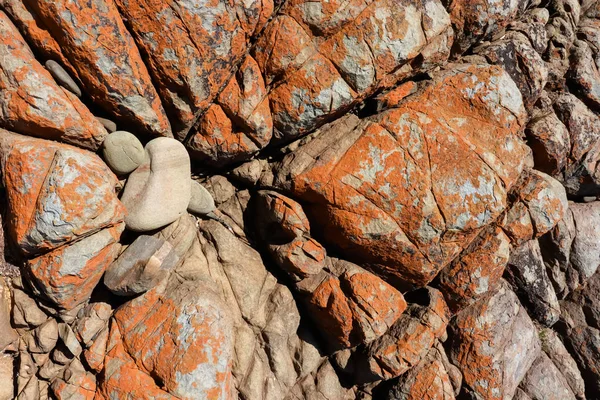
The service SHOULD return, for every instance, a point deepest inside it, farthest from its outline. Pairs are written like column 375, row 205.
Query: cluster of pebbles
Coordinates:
column 159, row 188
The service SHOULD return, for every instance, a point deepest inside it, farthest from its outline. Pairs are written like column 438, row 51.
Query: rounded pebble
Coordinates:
column 201, row 201
column 62, row 77
column 109, row 125
column 123, row 152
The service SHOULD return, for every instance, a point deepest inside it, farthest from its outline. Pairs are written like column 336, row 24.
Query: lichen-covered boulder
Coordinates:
column 56, row 193
column 407, row 189
column 106, row 59
column 68, row 275
column 181, row 334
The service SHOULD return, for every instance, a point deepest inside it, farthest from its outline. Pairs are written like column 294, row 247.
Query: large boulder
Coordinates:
column 407, row 189
column 181, row 334
column 56, row 193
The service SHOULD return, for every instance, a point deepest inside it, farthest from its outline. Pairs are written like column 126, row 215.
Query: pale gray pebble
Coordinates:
column 108, row 124
column 62, row 77
column 123, row 152
column 589, row 199
column 201, row 201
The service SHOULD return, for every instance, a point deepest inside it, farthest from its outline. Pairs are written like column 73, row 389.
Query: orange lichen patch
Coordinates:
column 94, row 355
column 245, row 101
column 283, row 48
column 192, row 46
column 375, row 304
column 309, row 97
column 36, row 33
column 407, row 189
column 429, row 380
column 182, row 335
column 328, row 17
column 477, row 270
column 240, row 124
column 217, row 141
column 395, row 96
column 408, row 340
column 122, row 378
column 56, row 193
column 301, row 257
column 77, row 384
column 383, row 37
column 107, row 60
column 68, row 275
column 32, row 103
column 545, row 199
column 288, row 214
column 517, row 224
column 328, row 305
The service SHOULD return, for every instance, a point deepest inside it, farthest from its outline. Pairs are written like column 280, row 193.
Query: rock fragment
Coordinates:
column 144, row 263
column 62, row 77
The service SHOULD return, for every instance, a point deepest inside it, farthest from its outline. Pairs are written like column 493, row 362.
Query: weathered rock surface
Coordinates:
column 492, row 357
column 56, row 193
column 527, row 274
column 101, row 49
column 68, row 275
column 196, row 360
column 33, row 104
column 144, row 263
column 370, row 220
column 369, row 184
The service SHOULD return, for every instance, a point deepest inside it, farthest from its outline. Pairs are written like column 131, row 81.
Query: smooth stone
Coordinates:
column 62, row 77
column 201, row 201
column 109, row 125
column 141, row 266
column 157, row 193
column 123, row 152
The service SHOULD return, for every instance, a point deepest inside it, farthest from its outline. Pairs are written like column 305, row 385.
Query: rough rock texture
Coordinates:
column 350, row 200
column 56, row 193
column 369, row 185
column 33, row 104
column 195, row 361
column 101, row 50
column 493, row 358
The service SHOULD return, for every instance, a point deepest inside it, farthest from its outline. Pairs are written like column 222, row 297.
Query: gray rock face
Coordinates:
column 144, row 263
column 494, row 343
column 585, row 250
column 544, row 381
column 559, row 355
column 527, row 273
column 158, row 191
column 123, row 152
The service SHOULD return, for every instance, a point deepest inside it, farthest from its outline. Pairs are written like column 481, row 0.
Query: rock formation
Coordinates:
column 281, row 200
